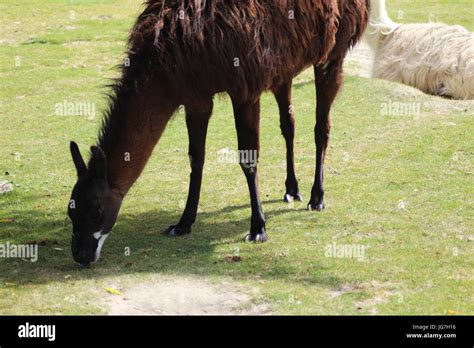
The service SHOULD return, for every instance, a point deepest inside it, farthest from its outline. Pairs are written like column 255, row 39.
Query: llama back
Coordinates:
column 248, row 45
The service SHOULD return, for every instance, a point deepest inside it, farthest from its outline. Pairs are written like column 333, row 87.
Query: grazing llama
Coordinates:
column 185, row 52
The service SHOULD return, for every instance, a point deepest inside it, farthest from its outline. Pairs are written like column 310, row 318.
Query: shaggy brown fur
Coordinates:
column 198, row 43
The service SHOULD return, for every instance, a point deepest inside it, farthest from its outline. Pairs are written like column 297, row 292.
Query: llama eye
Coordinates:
column 97, row 215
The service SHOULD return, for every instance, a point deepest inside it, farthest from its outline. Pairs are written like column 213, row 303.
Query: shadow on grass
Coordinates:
column 303, row 84
column 204, row 252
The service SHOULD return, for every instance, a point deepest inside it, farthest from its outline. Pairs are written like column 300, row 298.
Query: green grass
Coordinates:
column 400, row 186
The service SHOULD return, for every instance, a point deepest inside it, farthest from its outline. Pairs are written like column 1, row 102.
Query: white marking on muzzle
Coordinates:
column 97, row 235
column 101, row 238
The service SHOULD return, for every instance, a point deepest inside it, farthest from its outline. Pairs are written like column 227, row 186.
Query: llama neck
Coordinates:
column 135, row 124
column 380, row 24
column 379, row 14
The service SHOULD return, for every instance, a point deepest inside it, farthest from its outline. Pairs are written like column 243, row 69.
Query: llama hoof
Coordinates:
column 316, row 207
column 257, row 238
column 291, row 198
column 175, row 231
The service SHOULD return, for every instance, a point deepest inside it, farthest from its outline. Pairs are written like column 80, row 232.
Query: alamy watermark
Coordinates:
column 349, row 251
column 21, row 251
column 245, row 157
column 400, row 109
column 68, row 108
column 28, row 330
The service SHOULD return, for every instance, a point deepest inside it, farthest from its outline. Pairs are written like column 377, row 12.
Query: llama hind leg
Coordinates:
column 287, row 125
column 197, row 123
column 328, row 80
column 247, row 120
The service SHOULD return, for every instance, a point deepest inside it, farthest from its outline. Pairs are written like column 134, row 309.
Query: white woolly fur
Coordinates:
column 433, row 57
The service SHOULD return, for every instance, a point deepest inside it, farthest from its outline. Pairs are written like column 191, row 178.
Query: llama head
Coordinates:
column 93, row 207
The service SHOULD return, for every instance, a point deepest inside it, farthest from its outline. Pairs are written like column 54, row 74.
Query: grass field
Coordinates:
column 401, row 187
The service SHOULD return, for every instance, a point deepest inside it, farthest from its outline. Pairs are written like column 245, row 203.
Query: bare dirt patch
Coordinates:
column 379, row 293
column 183, row 296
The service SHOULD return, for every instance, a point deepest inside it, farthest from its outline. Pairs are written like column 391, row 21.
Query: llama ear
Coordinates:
column 98, row 163
column 77, row 159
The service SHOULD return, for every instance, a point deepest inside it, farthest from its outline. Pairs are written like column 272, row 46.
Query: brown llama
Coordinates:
column 185, row 52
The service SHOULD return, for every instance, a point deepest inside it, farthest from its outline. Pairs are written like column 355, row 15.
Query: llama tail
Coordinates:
column 380, row 24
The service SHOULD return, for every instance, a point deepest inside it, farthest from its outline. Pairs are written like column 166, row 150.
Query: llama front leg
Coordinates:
column 197, row 123
column 287, row 125
column 247, row 122
column 328, row 80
